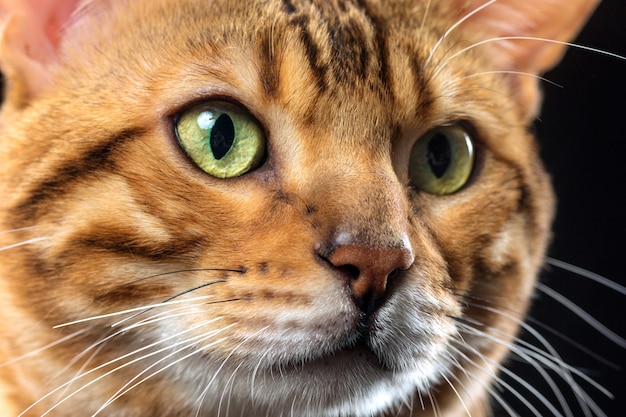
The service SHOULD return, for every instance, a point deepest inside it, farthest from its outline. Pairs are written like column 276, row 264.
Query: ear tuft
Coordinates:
column 30, row 34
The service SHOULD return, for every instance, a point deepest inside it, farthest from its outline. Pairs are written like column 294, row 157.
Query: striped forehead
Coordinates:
column 343, row 41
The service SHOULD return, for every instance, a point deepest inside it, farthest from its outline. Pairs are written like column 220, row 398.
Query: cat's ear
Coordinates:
column 551, row 22
column 30, row 35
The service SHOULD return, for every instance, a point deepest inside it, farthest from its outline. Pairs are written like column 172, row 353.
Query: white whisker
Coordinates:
column 131, row 310
column 80, row 370
column 254, row 373
column 587, row 274
column 527, row 74
column 524, row 38
column 487, row 371
column 111, row 362
column 498, row 379
column 26, row 242
column 458, row 395
column 19, row 229
column 43, row 348
column 421, row 28
column 588, row 318
column 553, row 386
column 128, row 387
column 219, row 369
column 453, row 27
column 553, row 361
column 228, row 384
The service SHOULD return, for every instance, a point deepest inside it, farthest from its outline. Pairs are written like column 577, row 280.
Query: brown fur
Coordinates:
column 120, row 218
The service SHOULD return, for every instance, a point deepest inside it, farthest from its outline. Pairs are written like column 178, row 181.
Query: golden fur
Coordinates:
column 102, row 212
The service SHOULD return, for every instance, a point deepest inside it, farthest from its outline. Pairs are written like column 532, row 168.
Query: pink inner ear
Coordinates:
column 556, row 20
column 53, row 17
column 44, row 23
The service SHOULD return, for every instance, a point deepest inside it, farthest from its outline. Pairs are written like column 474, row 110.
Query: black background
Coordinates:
column 582, row 134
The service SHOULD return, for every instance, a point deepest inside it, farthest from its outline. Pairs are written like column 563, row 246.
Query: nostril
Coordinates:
column 367, row 270
column 351, row 272
column 393, row 274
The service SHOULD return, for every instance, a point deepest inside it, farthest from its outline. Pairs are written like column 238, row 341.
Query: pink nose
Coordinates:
column 368, row 270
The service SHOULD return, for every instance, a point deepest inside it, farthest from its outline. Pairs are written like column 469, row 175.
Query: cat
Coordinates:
column 286, row 207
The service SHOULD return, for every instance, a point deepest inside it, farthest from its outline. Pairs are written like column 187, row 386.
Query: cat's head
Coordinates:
column 323, row 207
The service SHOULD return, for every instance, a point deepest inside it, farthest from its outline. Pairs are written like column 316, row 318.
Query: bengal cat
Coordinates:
column 272, row 207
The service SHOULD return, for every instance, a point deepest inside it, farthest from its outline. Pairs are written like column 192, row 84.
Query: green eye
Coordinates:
column 442, row 160
column 221, row 138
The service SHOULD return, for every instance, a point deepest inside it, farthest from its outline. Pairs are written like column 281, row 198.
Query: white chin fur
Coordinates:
column 348, row 384
column 411, row 356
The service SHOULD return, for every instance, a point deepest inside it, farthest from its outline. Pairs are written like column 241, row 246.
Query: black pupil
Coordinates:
column 439, row 155
column 222, row 136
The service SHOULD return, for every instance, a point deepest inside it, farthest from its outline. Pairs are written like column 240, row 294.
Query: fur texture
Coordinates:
column 323, row 283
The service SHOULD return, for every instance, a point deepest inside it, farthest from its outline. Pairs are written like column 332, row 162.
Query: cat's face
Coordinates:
column 370, row 237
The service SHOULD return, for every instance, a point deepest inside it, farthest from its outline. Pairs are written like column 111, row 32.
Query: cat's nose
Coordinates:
column 368, row 270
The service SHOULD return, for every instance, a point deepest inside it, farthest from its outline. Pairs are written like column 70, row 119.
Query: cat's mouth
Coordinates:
column 358, row 350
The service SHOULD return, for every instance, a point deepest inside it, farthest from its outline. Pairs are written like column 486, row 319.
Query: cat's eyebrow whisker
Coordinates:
column 421, row 28
column 452, row 88
column 453, row 27
column 443, row 64
column 588, row 318
column 587, row 274
column 527, row 74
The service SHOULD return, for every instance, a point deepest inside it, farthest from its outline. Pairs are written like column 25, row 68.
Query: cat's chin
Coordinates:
column 376, row 365
column 356, row 381
column 351, row 381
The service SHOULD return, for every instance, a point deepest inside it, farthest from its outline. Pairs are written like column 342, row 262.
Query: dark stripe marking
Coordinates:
column 57, row 183
column 380, row 36
column 123, row 243
column 312, row 51
column 269, row 72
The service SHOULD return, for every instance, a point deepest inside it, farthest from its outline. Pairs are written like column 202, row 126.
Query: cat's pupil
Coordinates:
column 439, row 155
column 222, row 136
